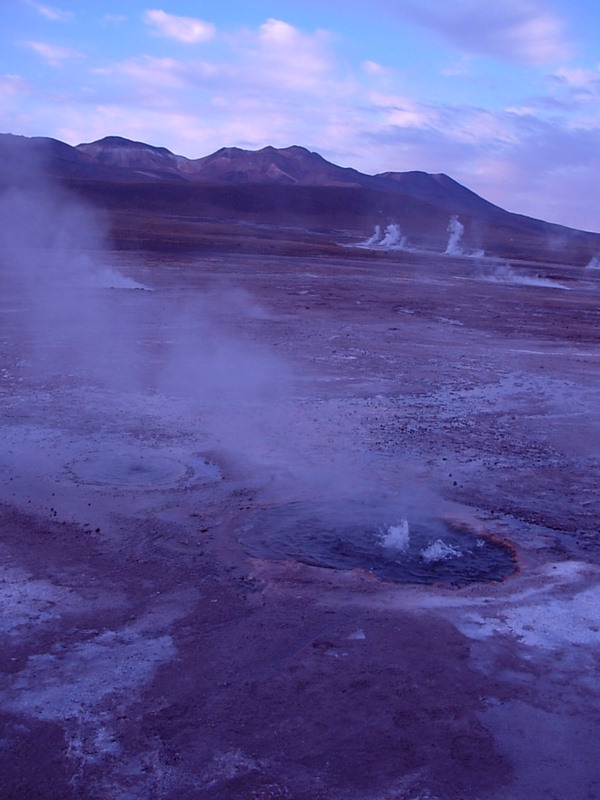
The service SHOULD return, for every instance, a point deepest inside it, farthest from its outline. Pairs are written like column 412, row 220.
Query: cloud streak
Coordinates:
column 52, row 54
column 50, row 12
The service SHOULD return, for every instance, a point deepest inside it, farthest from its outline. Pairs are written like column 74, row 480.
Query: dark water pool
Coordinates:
column 352, row 535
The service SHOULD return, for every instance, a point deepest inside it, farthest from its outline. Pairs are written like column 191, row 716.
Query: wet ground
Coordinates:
column 151, row 436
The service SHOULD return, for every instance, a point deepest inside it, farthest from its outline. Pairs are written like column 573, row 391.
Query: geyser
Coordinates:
column 357, row 536
column 390, row 239
column 455, row 233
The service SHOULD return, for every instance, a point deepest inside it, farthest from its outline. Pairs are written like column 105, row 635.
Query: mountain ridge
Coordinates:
column 122, row 158
column 153, row 195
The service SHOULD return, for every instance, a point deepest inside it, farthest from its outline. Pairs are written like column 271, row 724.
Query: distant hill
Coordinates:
column 158, row 198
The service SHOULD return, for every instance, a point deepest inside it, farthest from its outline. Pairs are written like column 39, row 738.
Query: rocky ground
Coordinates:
column 146, row 654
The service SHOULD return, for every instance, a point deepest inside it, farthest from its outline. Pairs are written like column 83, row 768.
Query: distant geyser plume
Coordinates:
column 390, row 239
column 375, row 238
column 455, row 234
column 594, row 263
column 505, row 273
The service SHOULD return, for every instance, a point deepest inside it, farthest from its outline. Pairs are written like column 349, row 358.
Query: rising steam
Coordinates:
column 594, row 263
column 455, row 234
column 374, row 239
column 391, row 239
column 505, row 273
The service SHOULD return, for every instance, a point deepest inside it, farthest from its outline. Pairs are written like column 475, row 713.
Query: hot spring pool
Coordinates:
column 355, row 536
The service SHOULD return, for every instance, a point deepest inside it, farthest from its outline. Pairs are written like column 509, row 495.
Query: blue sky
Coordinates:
column 504, row 96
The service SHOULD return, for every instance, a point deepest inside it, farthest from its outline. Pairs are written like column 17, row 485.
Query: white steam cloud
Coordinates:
column 455, row 234
column 77, row 323
column 594, row 263
column 57, row 274
column 505, row 273
column 391, row 238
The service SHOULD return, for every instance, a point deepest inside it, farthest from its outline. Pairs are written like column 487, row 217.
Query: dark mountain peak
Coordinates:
column 113, row 141
column 116, row 151
column 292, row 151
column 225, row 152
column 121, row 143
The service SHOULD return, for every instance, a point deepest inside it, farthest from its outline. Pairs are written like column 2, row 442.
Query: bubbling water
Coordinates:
column 397, row 537
column 441, row 551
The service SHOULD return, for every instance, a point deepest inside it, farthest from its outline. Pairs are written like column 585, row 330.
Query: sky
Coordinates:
column 502, row 96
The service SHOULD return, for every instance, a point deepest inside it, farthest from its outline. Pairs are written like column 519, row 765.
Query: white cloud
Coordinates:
column 161, row 73
column 434, row 138
column 578, row 77
column 523, row 31
column 373, row 68
column 188, row 30
column 276, row 60
column 521, row 111
column 400, row 112
column 161, row 83
column 52, row 54
column 50, row 12
column 281, row 55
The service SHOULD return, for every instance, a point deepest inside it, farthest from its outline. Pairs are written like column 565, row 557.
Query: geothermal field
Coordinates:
column 319, row 525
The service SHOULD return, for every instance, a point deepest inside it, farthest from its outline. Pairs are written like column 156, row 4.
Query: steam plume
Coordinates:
column 455, row 233
column 391, row 239
column 594, row 263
